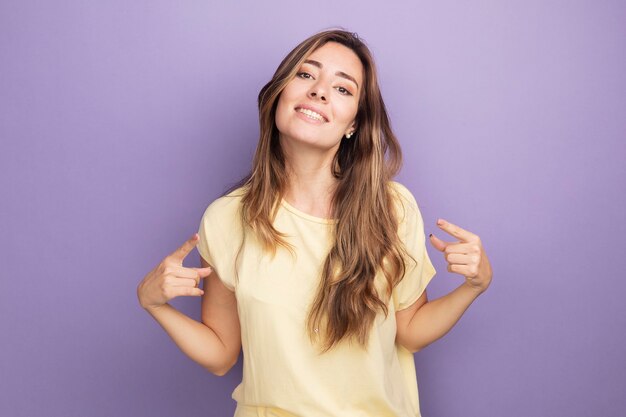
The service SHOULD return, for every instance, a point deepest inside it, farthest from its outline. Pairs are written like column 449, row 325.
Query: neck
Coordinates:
column 310, row 183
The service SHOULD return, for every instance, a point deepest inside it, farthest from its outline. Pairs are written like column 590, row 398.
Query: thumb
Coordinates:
column 204, row 272
column 438, row 244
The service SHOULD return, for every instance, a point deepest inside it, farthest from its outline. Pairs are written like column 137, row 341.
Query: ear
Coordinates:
column 352, row 127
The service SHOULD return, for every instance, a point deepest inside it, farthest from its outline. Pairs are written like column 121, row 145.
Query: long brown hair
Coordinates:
column 365, row 232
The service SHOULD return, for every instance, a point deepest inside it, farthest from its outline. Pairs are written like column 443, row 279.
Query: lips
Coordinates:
column 312, row 109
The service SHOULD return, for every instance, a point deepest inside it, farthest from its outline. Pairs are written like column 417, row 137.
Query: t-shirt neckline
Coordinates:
column 306, row 216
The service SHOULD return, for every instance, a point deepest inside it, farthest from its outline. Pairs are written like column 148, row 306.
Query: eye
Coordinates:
column 344, row 91
column 303, row 74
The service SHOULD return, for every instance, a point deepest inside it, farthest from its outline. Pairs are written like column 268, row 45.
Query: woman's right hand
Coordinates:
column 170, row 279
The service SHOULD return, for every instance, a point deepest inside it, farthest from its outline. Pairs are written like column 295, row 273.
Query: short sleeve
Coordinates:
column 214, row 244
column 204, row 231
column 411, row 232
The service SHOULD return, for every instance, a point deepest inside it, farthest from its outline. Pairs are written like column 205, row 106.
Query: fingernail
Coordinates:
column 430, row 235
column 440, row 222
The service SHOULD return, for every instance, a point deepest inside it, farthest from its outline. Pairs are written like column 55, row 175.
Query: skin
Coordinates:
column 319, row 84
column 425, row 321
column 309, row 147
column 215, row 342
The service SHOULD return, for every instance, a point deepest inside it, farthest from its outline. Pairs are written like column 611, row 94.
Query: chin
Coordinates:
column 311, row 141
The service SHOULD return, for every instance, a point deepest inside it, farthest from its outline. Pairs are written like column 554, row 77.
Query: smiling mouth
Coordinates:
column 311, row 114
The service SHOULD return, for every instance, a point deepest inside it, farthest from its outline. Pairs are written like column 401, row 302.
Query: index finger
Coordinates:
column 456, row 231
column 182, row 252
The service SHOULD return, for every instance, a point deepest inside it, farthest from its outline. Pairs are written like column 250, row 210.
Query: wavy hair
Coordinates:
column 365, row 233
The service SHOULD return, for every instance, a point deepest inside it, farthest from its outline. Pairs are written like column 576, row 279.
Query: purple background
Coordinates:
column 121, row 121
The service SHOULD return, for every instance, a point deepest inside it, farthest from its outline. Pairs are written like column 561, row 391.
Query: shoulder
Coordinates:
column 224, row 213
column 224, row 208
column 402, row 196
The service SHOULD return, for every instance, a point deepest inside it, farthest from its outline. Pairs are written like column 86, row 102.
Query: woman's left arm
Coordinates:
column 426, row 321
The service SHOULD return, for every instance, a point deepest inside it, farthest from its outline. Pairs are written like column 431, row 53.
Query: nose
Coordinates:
column 313, row 94
column 318, row 91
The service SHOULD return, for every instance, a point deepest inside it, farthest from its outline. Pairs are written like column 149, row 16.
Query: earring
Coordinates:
column 349, row 135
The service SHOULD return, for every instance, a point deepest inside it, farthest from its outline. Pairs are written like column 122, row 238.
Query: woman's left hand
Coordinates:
column 466, row 257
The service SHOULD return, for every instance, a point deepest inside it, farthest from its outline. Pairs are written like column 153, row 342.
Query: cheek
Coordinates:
column 281, row 113
column 347, row 113
column 286, row 101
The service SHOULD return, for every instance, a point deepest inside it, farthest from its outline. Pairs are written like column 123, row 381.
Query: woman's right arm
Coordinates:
column 215, row 342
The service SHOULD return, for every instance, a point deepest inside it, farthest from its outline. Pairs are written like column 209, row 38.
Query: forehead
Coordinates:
column 337, row 57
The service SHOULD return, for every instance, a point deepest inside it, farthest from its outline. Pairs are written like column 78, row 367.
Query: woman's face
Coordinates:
column 319, row 105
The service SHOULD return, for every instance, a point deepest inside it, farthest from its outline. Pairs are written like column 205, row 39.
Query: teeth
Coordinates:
column 311, row 114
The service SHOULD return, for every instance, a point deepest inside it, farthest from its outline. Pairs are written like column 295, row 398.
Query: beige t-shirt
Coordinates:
column 283, row 374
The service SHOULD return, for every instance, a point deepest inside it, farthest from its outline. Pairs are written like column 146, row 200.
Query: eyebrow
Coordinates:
column 339, row 73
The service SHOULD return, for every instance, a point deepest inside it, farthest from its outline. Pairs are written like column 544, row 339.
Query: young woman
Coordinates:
column 316, row 262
